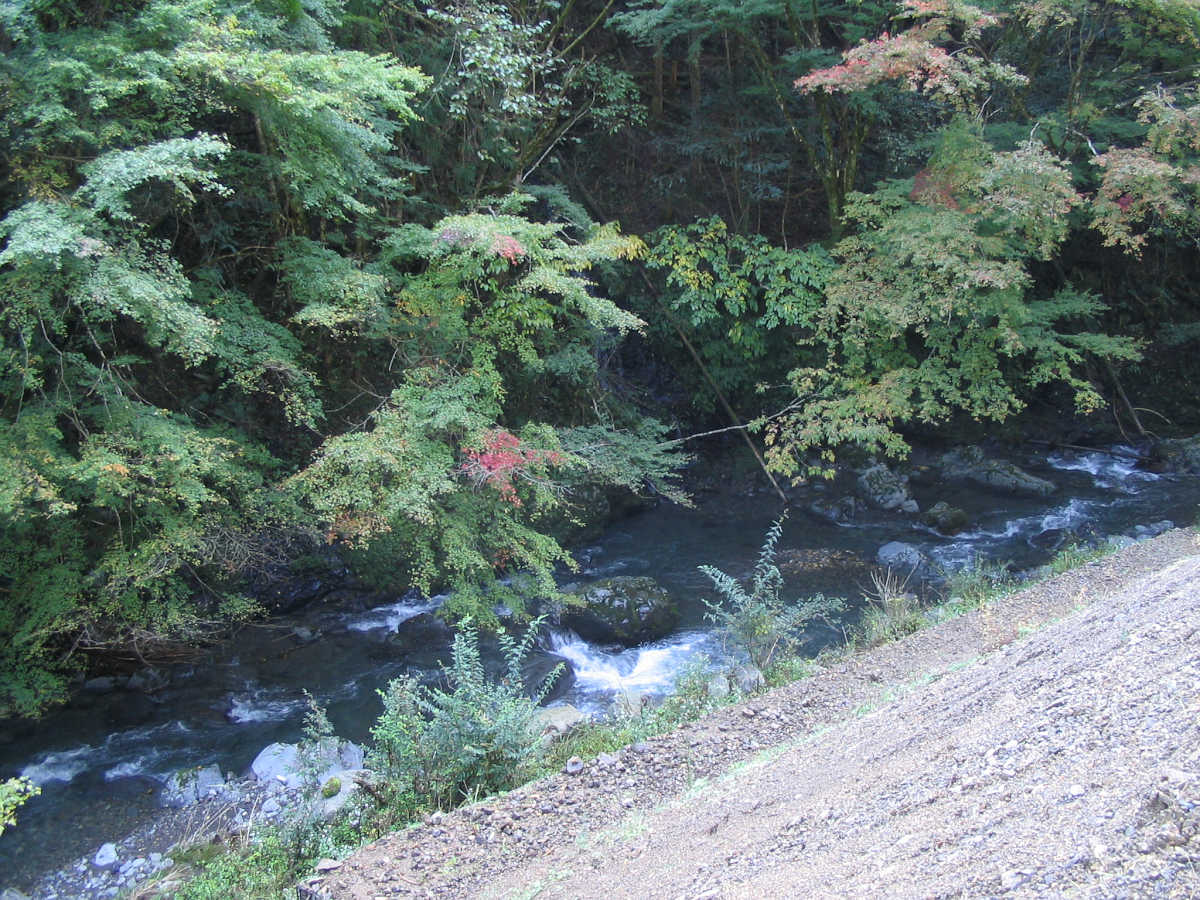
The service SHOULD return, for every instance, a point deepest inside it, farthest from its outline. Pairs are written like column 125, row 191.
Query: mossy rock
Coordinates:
column 971, row 464
column 945, row 518
column 623, row 610
column 331, row 788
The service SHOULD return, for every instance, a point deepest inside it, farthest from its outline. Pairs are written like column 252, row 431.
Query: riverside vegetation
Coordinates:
column 435, row 748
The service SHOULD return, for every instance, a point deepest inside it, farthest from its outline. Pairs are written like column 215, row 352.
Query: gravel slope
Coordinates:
column 992, row 754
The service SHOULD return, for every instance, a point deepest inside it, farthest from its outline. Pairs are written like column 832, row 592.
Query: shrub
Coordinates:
column 436, row 747
column 892, row 610
column 13, row 793
column 1075, row 555
column 760, row 623
column 258, row 867
column 978, row 582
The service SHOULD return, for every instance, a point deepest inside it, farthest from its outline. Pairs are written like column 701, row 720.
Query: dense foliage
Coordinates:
column 224, row 336
column 278, row 274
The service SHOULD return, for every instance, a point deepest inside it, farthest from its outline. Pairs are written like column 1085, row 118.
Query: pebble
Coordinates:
column 574, row 766
column 1013, row 879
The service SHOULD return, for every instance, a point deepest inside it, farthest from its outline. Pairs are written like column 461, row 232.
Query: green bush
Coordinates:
column 436, row 747
column 977, row 583
column 13, row 793
column 760, row 623
column 263, row 867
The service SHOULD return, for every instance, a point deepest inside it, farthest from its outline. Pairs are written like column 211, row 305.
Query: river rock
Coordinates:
column 900, row 557
column 945, row 518
column 278, row 763
column 147, row 680
column 281, row 764
column 103, row 684
column 1178, row 455
column 837, row 510
column 348, row 783
column 1154, row 529
column 291, row 594
column 629, row 702
column 581, row 519
column 105, row 858
column 423, row 631
column 623, row 610
column 971, row 464
column 886, row 489
column 1051, row 539
column 717, row 686
column 553, row 722
column 188, row 786
column 748, row 679
column 538, row 668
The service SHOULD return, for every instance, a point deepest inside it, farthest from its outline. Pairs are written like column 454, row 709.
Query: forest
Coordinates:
column 423, row 285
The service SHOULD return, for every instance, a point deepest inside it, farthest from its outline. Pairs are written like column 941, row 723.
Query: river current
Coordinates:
column 101, row 761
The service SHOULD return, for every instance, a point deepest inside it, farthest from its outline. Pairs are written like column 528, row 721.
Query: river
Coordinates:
column 100, row 761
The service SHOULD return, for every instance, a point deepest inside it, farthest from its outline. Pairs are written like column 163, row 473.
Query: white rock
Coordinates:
column 106, row 857
column 278, row 762
column 555, row 721
column 188, row 786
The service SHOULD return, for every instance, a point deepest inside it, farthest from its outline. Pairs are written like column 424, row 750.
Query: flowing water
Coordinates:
column 101, row 761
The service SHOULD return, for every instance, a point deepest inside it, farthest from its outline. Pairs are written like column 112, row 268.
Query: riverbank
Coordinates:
column 103, row 762
column 1028, row 740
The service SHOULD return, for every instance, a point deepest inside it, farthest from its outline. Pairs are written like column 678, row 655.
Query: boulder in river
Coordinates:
column 623, row 610
column 629, row 702
column 422, row 631
column 971, row 464
column 838, row 509
column 542, row 665
column 1154, row 529
column 106, row 858
column 339, row 789
column 538, row 667
column 1178, row 455
column 945, row 518
column 886, row 489
column 717, row 686
column 900, row 557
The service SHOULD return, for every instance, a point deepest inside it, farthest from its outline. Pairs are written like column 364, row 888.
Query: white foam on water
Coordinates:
column 140, row 765
column 259, row 706
column 1114, row 471
column 1074, row 513
column 391, row 617
column 651, row 668
column 969, row 545
column 60, row 765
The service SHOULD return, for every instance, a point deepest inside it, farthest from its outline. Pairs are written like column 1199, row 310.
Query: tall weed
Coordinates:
column 758, row 622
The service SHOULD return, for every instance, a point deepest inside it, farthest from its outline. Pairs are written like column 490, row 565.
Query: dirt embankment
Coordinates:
column 1049, row 744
